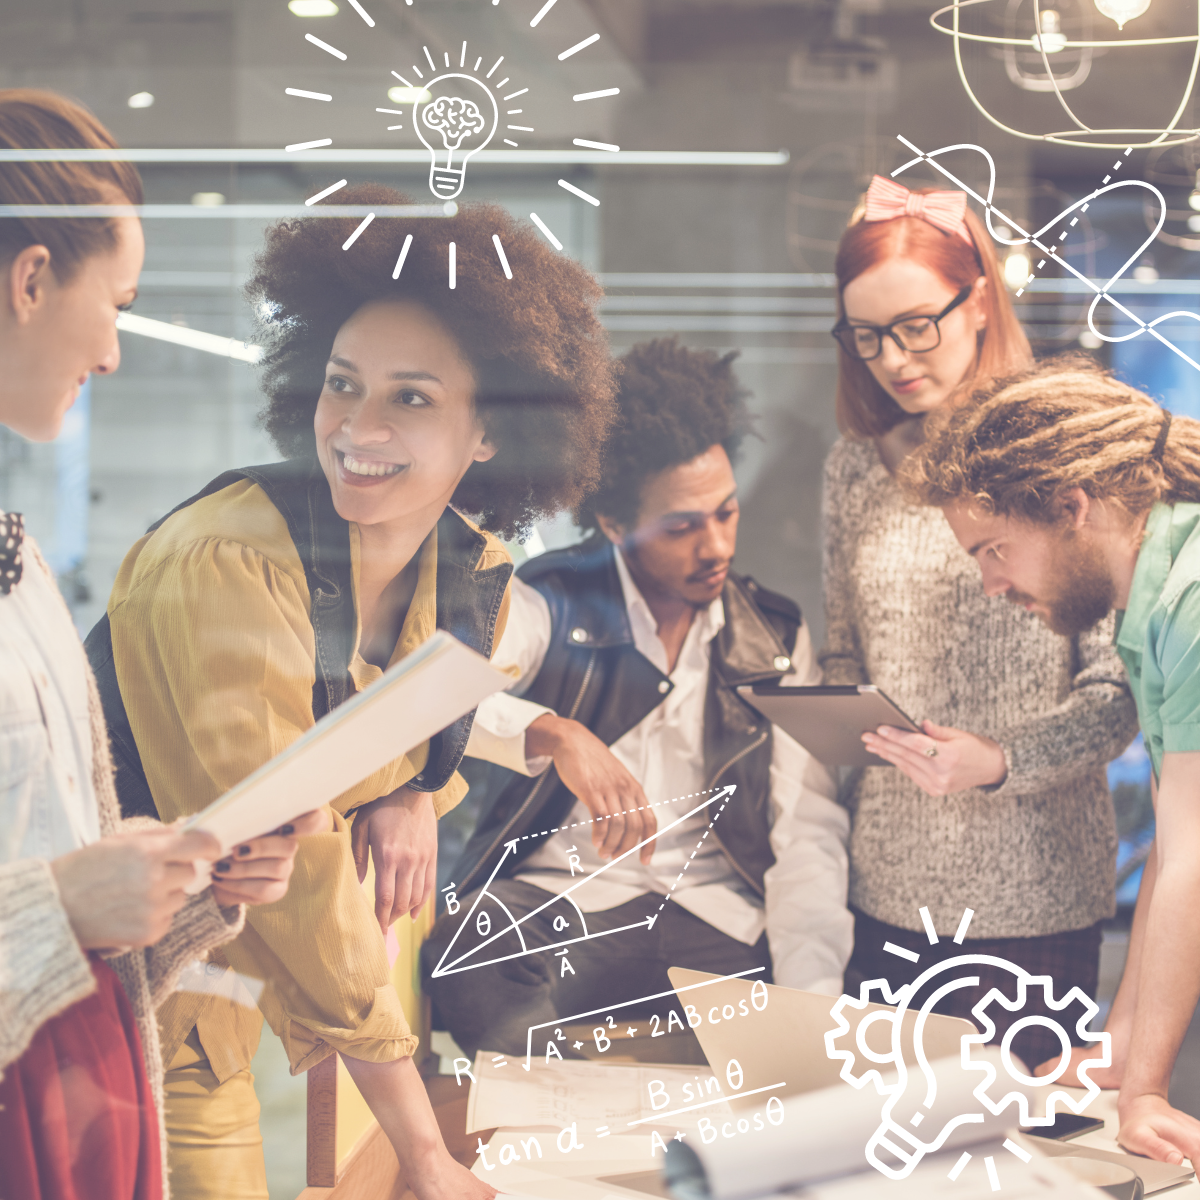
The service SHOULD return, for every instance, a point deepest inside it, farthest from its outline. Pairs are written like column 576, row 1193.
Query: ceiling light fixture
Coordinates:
column 312, row 8
column 409, row 95
column 1046, row 41
column 195, row 339
column 1016, row 269
column 1032, row 67
column 1122, row 10
column 208, row 199
column 140, row 100
column 639, row 158
column 1052, row 40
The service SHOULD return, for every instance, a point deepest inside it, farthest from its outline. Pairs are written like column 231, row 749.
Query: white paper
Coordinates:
column 554, row 1164
column 1155, row 1176
column 836, row 1124
column 548, row 1169
column 931, row 1181
column 592, row 1094
column 414, row 699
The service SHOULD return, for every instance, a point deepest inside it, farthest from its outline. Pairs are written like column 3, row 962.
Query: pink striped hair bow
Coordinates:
column 887, row 199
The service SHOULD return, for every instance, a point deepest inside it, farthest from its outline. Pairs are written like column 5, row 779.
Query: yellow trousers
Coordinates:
column 214, row 1145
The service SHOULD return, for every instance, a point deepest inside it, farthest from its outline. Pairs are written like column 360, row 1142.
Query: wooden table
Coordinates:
column 371, row 1171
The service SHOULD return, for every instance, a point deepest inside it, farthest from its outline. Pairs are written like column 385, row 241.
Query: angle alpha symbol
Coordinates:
column 467, row 960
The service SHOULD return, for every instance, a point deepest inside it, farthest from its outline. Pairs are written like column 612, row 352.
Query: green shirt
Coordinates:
column 1158, row 634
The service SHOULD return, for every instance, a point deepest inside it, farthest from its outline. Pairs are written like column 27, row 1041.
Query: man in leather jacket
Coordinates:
column 651, row 817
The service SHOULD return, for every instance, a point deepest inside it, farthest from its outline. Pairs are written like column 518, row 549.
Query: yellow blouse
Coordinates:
column 214, row 649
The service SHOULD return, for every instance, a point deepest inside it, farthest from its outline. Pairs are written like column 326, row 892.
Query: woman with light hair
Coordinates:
column 1076, row 494
column 992, row 830
column 95, row 920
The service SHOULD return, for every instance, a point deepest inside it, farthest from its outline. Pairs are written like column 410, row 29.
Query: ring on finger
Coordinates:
column 931, row 751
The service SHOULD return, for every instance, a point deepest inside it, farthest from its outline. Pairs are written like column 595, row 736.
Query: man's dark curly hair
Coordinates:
column 674, row 404
column 545, row 379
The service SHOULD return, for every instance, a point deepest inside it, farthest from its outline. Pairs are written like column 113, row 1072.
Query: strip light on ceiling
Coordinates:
column 195, row 339
column 632, row 158
column 222, row 212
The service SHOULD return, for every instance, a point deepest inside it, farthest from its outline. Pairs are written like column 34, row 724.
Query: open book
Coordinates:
column 414, row 699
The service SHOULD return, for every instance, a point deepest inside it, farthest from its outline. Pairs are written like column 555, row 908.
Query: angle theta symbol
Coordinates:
column 460, row 964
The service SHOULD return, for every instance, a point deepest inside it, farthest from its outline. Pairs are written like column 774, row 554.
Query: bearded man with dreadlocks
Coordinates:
column 1077, row 495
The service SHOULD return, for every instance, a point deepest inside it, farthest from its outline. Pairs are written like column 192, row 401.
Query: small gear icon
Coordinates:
column 872, row 992
column 1047, row 1094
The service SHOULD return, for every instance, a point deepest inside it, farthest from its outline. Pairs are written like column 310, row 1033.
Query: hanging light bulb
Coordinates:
column 1122, row 10
column 1051, row 39
column 1016, row 269
column 1194, row 198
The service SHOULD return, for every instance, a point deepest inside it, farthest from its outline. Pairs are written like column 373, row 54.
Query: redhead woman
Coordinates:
column 95, row 922
column 401, row 403
column 993, row 828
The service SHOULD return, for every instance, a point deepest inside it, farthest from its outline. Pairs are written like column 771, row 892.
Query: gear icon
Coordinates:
column 926, row 1102
column 871, row 993
column 1047, row 1095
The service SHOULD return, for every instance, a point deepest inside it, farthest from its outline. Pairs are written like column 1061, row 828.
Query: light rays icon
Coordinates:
column 897, row 1148
column 465, row 123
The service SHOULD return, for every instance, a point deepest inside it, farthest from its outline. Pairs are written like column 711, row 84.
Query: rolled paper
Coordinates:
column 840, row 1130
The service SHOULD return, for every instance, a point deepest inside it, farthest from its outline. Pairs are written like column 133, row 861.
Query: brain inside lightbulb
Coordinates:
column 454, row 118
column 461, row 114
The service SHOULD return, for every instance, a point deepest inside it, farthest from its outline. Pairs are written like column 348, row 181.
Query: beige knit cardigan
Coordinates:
column 43, row 971
column 906, row 611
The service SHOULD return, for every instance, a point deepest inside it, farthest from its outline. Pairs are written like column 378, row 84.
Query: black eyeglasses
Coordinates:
column 916, row 335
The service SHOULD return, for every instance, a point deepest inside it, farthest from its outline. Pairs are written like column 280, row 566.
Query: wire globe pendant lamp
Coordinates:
column 1047, row 39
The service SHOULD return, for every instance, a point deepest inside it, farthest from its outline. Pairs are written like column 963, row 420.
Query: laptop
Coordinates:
column 781, row 1035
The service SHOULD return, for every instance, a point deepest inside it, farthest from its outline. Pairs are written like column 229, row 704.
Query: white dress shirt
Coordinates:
column 47, row 806
column 808, row 926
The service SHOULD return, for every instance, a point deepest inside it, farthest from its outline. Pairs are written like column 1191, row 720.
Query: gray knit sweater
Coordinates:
column 905, row 610
column 43, row 971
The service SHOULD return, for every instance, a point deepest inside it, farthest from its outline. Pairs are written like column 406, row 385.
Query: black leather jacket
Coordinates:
column 593, row 674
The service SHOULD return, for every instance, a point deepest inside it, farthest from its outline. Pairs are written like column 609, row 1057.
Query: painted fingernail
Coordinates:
column 223, row 866
column 243, row 850
column 287, row 830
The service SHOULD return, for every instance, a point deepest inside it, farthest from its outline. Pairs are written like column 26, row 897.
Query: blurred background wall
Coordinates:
column 727, row 256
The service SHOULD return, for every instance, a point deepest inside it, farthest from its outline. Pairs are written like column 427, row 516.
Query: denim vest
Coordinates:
column 468, row 605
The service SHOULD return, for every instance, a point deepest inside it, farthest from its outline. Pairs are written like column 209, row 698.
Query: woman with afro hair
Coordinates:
column 405, row 394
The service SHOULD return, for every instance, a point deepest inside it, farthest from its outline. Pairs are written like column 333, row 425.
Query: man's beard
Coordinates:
column 1081, row 588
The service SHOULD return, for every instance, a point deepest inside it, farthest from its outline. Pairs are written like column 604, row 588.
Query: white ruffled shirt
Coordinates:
column 47, row 805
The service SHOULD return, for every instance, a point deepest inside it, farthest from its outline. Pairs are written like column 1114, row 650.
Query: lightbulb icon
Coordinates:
column 456, row 116
column 913, row 1097
column 928, row 1108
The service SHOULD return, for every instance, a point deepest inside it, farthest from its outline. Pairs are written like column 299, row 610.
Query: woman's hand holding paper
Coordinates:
column 399, row 831
column 940, row 760
column 125, row 890
column 258, row 871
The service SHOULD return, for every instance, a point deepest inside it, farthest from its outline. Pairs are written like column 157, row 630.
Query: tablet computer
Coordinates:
column 829, row 721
